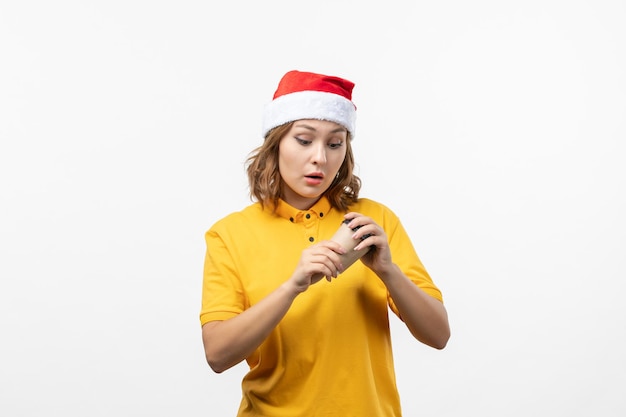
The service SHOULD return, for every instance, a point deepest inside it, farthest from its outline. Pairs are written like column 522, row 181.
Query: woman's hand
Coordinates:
column 378, row 259
column 316, row 262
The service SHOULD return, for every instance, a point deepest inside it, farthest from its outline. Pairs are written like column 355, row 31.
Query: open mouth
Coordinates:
column 314, row 179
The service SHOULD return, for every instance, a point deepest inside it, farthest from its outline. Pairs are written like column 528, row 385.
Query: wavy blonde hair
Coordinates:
column 266, row 183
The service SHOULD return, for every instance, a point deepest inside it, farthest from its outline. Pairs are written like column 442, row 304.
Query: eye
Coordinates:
column 303, row 142
column 335, row 145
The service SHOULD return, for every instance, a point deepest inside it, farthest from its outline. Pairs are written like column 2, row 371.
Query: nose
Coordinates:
column 319, row 154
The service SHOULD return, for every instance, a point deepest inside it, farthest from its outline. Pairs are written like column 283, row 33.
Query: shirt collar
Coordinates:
column 294, row 215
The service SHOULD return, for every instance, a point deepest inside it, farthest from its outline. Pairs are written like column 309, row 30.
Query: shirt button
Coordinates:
column 311, row 239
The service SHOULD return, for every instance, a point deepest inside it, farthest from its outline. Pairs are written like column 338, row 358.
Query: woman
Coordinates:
column 314, row 348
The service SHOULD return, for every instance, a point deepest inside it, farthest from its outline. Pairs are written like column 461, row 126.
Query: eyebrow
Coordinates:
column 304, row 125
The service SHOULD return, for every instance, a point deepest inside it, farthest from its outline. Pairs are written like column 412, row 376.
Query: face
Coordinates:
column 309, row 157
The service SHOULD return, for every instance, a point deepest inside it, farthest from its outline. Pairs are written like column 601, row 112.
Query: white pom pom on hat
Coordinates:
column 307, row 95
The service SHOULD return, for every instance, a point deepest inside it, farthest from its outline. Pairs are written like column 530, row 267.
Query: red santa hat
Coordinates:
column 306, row 95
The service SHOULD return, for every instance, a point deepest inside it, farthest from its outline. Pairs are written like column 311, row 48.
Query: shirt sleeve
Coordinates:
column 405, row 256
column 223, row 296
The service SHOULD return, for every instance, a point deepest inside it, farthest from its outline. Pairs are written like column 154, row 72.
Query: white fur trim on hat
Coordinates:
column 308, row 104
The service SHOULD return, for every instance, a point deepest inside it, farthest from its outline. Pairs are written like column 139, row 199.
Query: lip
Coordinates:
column 314, row 178
column 315, row 174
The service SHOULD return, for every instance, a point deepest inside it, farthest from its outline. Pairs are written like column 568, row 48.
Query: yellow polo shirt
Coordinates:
column 331, row 354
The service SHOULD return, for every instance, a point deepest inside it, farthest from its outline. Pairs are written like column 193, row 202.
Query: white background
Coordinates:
column 496, row 131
